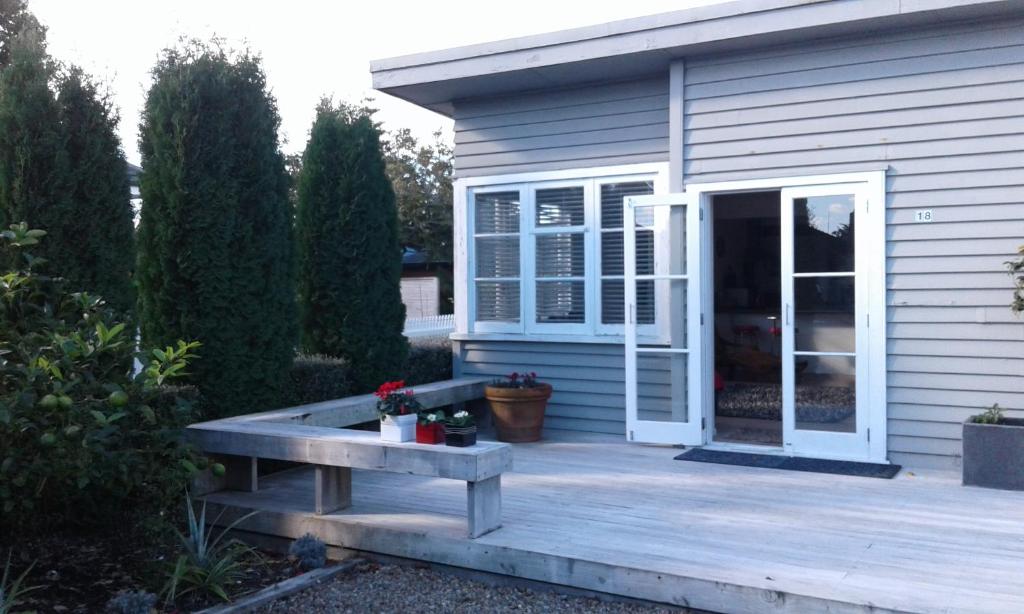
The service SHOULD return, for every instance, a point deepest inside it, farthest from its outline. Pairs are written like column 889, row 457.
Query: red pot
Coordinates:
column 429, row 433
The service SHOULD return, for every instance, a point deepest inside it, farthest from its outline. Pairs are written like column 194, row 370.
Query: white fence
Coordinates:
column 429, row 326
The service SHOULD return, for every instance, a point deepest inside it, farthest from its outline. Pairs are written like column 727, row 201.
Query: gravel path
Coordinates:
column 372, row 588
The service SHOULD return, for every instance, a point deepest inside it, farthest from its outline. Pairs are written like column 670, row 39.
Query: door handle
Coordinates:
column 787, row 315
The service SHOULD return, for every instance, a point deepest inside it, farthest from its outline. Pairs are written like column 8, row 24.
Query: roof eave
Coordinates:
column 647, row 44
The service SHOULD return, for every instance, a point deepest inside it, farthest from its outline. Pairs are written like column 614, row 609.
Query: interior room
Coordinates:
column 748, row 333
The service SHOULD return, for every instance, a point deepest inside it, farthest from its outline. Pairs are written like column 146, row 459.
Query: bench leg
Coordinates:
column 333, row 487
column 484, row 503
column 240, row 474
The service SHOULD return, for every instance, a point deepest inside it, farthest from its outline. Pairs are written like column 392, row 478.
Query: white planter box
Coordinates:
column 398, row 428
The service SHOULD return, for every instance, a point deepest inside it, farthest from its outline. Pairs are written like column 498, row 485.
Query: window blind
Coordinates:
column 613, row 298
column 497, row 245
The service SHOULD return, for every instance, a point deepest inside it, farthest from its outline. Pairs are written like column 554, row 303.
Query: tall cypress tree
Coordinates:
column 33, row 161
column 215, row 241
column 349, row 256
column 103, row 250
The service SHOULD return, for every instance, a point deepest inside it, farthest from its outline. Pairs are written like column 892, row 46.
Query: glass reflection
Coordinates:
column 823, row 234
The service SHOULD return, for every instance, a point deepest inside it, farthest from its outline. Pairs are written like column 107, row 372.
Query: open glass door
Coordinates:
column 824, row 341
column 663, row 338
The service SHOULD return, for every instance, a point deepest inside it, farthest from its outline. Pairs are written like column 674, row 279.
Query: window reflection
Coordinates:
column 823, row 234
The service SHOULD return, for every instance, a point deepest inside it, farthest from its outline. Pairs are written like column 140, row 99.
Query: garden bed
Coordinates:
column 80, row 573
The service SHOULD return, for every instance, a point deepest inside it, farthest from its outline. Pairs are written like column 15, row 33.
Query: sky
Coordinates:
column 310, row 48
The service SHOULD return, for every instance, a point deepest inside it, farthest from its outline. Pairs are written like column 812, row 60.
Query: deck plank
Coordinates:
column 601, row 514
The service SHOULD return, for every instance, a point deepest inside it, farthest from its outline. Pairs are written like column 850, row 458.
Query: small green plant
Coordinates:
column 431, row 416
column 310, row 552
column 527, row 379
column 209, row 564
column 12, row 589
column 131, row 602
column 461, row 419
column 992, row 415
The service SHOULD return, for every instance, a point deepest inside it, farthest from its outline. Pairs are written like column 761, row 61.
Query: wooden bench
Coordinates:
column 299, row 435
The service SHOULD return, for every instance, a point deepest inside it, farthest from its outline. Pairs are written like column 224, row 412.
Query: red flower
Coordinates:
column 387, row 388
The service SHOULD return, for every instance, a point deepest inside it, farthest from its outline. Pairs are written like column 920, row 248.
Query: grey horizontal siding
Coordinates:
column 944, row 109
column 596, row 125
column 588, row 379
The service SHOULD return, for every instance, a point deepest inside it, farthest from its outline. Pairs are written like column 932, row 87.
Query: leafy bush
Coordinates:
column 131, row 602
column 208, row 564
column 80, row 436
column 1016, row 270
column 428, row 363
column 310, row 552
column 215, row 244
column 317, row 378
column 349, row 258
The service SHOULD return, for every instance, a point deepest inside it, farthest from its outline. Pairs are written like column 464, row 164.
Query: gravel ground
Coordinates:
column 372, row 588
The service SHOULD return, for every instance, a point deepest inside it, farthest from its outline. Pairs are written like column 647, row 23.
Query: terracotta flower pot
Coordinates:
column 518, row 412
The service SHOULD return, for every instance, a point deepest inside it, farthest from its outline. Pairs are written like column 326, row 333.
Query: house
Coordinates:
column 818, row 196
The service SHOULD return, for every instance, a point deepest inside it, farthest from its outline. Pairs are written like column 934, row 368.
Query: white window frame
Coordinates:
column 466, row 326
column 532, row 232
column 494, row 326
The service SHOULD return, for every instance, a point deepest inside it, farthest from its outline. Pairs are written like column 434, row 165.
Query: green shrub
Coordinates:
column 81, row 438
column 215, row 243
column 349, row 258
column 428, row 362
column 317, row 378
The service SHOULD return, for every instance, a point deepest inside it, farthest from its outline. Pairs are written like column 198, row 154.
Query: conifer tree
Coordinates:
column 103, row 245
column 349, row 257
column 215, row 242
column 33, row 161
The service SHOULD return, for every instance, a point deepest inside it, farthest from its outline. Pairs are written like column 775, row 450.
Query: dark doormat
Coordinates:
column 791, row 463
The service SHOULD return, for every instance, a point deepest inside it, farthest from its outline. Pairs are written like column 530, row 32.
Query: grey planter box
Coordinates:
column 994, row 454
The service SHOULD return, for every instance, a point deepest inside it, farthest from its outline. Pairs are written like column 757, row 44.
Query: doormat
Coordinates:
column 791, row 463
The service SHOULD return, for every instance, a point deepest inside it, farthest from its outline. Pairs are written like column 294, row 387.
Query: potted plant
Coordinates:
column 994, row 450
column 397, row 407
column 430, row 427
column 517, row 404
column 460, row 430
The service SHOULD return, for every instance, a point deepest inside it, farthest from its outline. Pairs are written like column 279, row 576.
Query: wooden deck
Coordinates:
column 600, row 514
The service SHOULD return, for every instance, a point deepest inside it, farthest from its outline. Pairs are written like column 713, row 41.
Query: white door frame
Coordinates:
column 670, row 338
column 871, row 260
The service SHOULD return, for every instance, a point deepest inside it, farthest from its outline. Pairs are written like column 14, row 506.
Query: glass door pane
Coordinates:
column 821, row 409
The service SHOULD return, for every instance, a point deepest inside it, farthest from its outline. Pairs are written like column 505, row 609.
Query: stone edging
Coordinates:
column 282, row 589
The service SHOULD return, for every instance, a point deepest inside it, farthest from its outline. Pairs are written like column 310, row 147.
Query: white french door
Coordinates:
column 663, row 321
column 825, row 344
